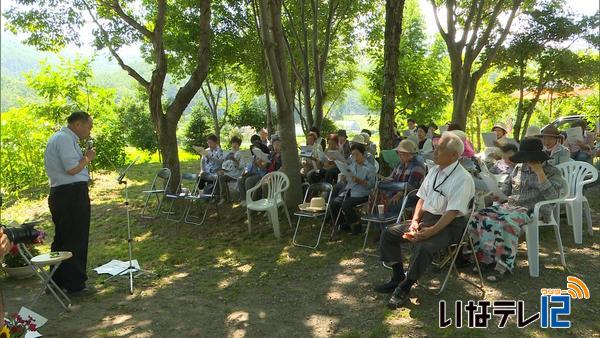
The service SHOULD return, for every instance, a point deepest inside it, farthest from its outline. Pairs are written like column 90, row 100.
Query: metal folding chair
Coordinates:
column 455, row 249
column 324, row 190
column 187, row 179
column 197, row 196
column 38, row 263
column 158, row 189
column 387, row 218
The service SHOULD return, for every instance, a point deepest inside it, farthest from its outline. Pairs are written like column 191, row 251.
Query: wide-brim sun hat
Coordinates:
column 533, row 131
column 530, row 150
column 407, row 146
column 358, row 139
column 550, row 130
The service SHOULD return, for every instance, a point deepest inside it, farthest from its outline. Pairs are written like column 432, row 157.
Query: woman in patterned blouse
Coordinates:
column 495, row 230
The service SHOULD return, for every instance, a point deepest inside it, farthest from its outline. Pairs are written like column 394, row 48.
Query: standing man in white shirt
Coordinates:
column 438, row 221
column 69, row 202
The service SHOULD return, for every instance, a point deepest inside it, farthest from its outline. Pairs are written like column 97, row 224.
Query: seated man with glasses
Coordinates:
column 438, row 221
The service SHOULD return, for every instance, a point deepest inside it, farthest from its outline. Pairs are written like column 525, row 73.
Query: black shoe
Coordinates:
column 345, row 227
column 388, row 287
column 399, row 298
column 86, row 291
column 462, row 263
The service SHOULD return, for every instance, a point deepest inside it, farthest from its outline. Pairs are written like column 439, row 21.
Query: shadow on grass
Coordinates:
column 217, row 280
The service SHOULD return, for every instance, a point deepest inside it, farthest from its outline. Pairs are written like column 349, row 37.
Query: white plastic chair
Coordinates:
column 532, row 231
column 577, row 174
column 277, row 183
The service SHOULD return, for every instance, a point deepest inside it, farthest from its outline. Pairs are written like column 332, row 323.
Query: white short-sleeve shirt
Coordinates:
column 449, row 189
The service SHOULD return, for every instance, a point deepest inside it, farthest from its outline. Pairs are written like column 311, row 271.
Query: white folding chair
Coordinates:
column 532, row 231
column 277, row 183
column 53, row 261
column 158, row 189
column 577, row 174
column 324, row 190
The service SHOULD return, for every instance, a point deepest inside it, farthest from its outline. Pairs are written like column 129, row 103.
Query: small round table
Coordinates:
column 54, row 260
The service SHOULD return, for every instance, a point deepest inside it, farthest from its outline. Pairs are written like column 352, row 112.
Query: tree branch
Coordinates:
column 186, row 93
column 116, row 6
column 132, row 72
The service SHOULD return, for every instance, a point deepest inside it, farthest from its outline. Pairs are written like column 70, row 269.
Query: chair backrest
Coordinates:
column 161, row 179
column 277, row 183
column 404, row 201
column 318, row 190
column 577, row 174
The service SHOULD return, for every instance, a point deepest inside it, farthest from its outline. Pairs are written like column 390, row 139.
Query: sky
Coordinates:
column 576, row 6
column 580, row 7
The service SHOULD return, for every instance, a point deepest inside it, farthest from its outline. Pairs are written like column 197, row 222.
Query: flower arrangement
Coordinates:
column 16, row 326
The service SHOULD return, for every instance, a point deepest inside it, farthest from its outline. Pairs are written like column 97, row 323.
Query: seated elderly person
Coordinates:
column 258, row 168
column 360, row 139
column 370, row 146
column 425, row 143
column 438, row 220
column 581, row 150
column 312, row 163
column 406, row 176
column 358, row 184
column 505, row 166
column 495, row 230
column 210, row 165
column 234, row 170
column 328, row 171
column 557, row 153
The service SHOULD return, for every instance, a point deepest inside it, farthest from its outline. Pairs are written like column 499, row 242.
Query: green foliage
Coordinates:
column 25, row 130
column 328, row 127
column 136, row 123
column 246, row 113
column 423, row 88
column 198, row 128
column 66, row 87
column 23, row 141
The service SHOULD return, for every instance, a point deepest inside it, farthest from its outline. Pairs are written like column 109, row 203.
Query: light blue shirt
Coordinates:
column 365, row 172
column 62, row 154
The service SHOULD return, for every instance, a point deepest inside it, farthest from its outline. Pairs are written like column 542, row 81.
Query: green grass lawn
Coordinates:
column 216, row 280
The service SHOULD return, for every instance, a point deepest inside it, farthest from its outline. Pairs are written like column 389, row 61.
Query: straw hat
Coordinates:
column 358, row 139
column 533, row 131
column 316, row 204
column 407, row 146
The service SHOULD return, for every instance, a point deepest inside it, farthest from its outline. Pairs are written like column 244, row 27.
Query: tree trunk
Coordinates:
column 466, row 37
column 169, row 150
column 478, row 121
column 393, row 29
column 274, row 43
column 517, row 126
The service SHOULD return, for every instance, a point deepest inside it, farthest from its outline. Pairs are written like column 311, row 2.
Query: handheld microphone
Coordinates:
column 90, row 143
